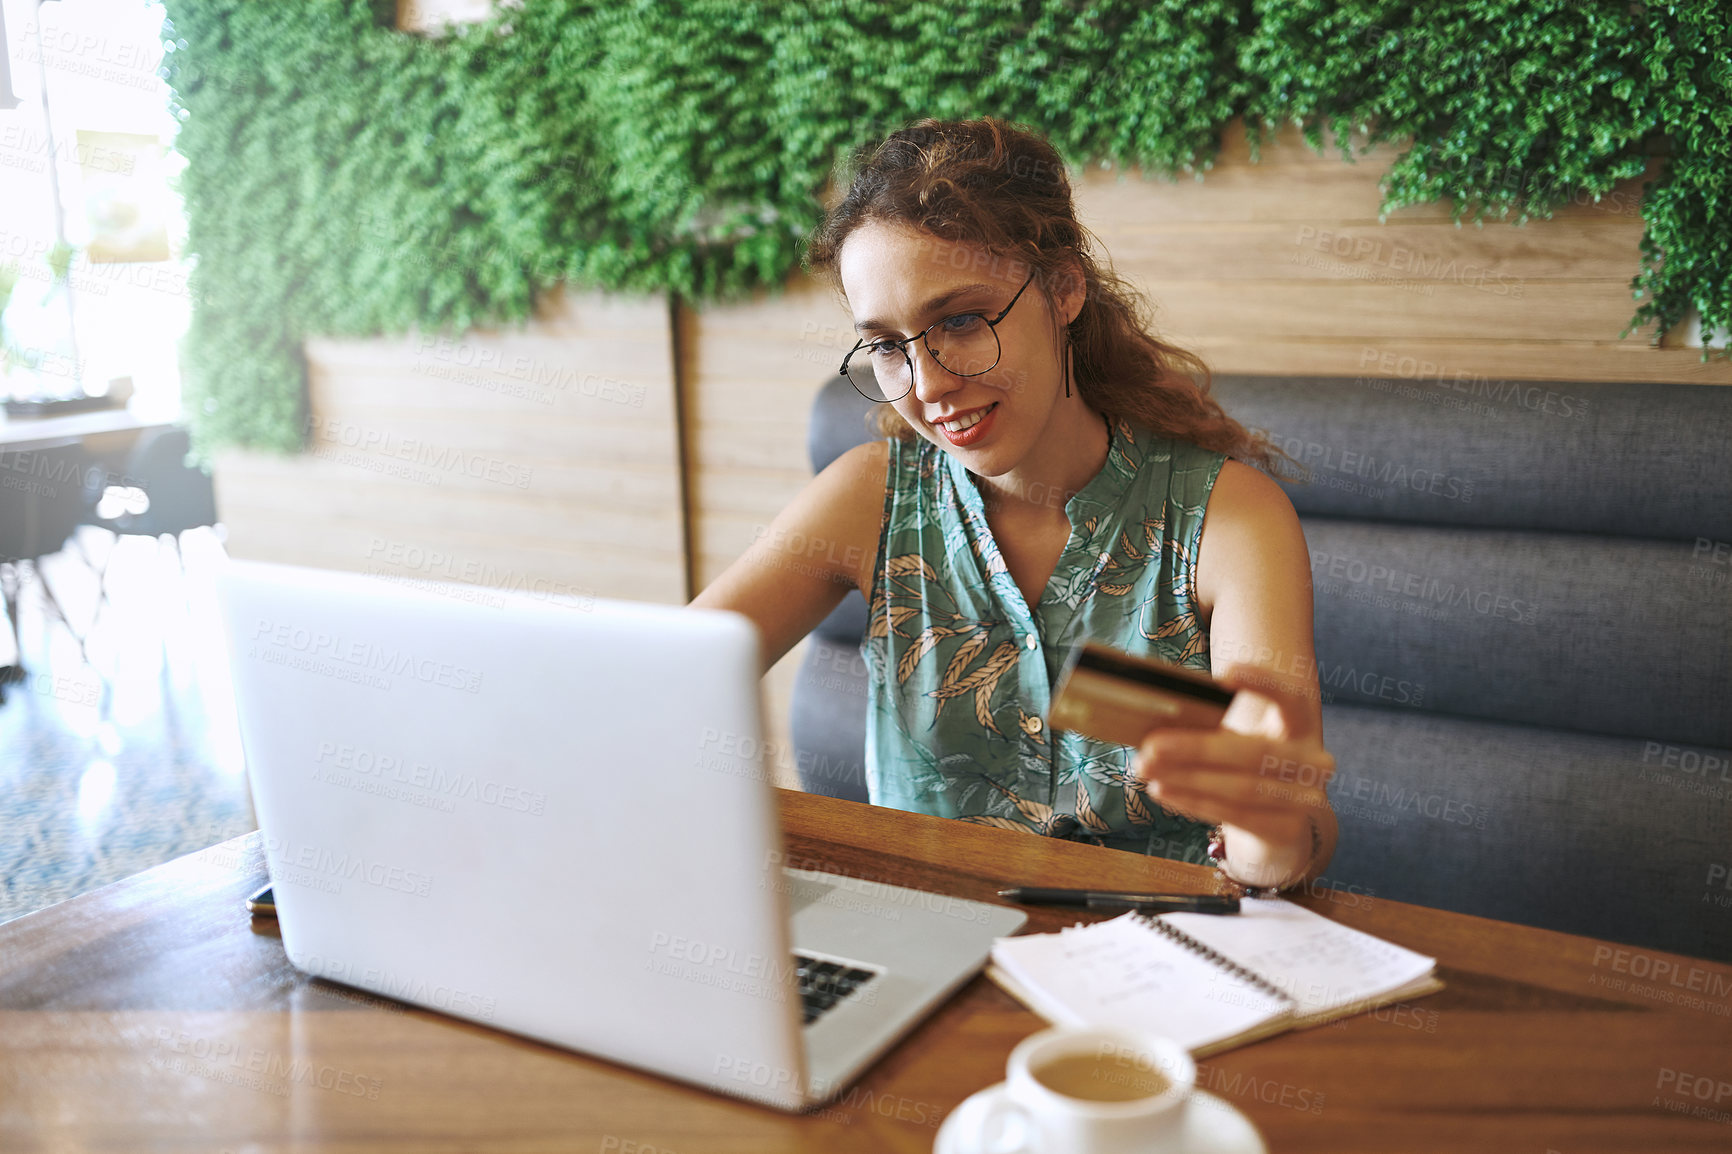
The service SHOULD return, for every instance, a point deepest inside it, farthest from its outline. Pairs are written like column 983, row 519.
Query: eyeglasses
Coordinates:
column 965, row 345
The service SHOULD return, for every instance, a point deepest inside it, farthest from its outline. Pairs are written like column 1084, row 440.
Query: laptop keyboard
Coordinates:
column 824, row 984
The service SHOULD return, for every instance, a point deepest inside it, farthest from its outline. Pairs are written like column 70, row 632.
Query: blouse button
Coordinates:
column 1034, row 725
column 1031, row 641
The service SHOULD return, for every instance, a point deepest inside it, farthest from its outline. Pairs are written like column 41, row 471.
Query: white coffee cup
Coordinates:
column 1085, row 1091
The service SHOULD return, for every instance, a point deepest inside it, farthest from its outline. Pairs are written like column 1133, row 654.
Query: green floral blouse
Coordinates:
column 960, row 673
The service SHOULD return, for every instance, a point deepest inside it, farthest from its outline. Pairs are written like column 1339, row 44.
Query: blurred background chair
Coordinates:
column 50, row 492
column 43, row 500
column 159, row 494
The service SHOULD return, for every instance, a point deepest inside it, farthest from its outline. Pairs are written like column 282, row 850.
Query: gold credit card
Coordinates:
column 1112, row 696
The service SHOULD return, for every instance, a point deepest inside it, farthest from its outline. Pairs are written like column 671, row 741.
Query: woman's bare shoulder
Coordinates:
column 863, row 467
column 1249, row 528
column 1241, row 491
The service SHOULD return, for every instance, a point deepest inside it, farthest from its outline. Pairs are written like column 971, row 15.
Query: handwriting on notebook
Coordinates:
column 1319, row 963
column 1210, row 982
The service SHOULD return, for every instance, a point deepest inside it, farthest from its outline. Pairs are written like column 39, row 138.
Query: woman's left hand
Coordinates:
column 1263, row 776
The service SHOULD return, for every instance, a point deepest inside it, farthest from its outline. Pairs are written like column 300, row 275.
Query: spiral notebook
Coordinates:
column 1211, row 982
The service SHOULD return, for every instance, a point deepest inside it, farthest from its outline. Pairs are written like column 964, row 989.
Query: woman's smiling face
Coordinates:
column 899, row 281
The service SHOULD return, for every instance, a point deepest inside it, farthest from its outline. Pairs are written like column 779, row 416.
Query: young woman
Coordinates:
column 1050, row 474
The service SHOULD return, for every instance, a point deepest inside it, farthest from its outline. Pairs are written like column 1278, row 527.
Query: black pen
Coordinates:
column 1111, row 900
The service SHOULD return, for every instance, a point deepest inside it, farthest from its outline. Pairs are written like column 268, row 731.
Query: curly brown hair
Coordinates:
column 1002, row 188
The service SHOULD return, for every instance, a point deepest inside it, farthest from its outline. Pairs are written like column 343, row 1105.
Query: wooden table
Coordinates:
column 155, row 1014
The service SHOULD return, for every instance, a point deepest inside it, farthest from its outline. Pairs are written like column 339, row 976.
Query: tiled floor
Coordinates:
column 111, row 766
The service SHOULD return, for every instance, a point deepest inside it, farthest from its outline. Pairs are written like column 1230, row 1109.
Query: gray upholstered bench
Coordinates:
column 1524, row 642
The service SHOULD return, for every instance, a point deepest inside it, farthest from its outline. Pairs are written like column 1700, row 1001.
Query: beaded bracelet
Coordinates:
column 1218, row 859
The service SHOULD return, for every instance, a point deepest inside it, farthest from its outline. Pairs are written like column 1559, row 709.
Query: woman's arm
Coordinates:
column 1263, row 774
column 819, row 547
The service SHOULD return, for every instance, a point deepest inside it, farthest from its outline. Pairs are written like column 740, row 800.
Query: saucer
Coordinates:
column 1211, row 1125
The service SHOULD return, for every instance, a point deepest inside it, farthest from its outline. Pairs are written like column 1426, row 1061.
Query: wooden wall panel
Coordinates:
column 543, row 457
column 1284, row 266
column 433, row 16
column 748, row 374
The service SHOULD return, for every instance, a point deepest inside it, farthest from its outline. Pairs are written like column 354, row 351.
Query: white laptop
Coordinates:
column 553, row 817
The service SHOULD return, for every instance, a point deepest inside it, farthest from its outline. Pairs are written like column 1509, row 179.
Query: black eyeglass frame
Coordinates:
column 921, row 336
